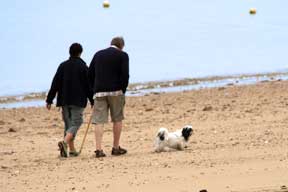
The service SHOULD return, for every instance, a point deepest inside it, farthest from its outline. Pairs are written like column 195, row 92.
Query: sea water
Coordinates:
column 205, row 84
column 164, row 39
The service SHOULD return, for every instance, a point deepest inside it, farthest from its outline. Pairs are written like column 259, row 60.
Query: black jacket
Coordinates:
column 109, row 70
column 71, row 84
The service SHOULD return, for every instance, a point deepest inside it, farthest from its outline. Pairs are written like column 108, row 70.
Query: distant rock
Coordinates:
column 283, row 187
column 2, row 122
column 8, row 152
column 4, row 167
column 149, row 109
column 221, row 88
column 22, row 120
column 248, row 111
column 11, row 130
column 155, row 93
column 207, row 108
column 190, row 110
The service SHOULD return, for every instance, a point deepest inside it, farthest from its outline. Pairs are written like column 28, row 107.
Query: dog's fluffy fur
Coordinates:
column 175, row 140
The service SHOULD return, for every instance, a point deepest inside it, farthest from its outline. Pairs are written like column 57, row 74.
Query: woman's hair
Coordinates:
column 75, row 50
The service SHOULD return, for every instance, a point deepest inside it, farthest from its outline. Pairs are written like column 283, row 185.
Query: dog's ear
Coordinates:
column 186, row 133
column 190, row 131
column 187, row 129
column 161, row 136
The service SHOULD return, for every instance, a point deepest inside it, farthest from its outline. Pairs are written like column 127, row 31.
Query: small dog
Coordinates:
column 175, row 140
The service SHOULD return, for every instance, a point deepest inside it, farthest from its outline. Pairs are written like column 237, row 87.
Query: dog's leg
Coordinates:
column 180, row 146
column 157, row 150
column 160, row 148
column 166, row 149
column 185, row 145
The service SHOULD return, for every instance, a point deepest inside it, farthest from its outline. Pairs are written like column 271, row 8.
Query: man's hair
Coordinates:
column 118, row 42
column 75, row 50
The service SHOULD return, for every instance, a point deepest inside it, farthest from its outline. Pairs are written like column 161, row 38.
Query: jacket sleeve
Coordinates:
column 88, row 86
column 55, row 86
column 125, row 72
column 91, row 74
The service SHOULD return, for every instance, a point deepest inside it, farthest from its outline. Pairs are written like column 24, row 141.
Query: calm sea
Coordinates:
column 165, row 39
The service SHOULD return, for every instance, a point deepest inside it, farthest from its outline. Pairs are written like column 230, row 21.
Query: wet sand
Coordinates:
column 239, row 144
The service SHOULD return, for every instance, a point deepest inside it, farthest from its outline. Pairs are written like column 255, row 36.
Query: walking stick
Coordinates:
column 89, row 123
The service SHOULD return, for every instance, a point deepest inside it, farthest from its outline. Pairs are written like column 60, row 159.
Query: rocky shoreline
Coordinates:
column 154, row 87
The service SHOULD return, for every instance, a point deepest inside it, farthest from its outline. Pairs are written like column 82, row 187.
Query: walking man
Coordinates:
column 71, row 84
column 109, row 75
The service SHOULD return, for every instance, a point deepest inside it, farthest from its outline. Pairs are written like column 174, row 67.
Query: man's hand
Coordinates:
column 48, row 106
column 92, row 103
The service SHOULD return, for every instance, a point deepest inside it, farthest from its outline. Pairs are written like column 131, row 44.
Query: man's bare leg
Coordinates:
column 71, row 146
column 99, row 136
column 117, row 128
column 63, row 144
column 69, row 140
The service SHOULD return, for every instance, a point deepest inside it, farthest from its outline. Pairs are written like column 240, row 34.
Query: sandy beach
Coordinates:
column 239, row 144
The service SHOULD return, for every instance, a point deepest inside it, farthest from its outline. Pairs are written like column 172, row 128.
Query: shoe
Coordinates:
column 73, row 154
column 63, row 148
column 100, row 153
column 119, row 151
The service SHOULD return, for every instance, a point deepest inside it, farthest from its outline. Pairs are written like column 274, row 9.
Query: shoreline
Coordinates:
column 155, row 87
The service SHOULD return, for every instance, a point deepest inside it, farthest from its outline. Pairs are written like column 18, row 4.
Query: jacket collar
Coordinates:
column 115, row 47
column 76, row 58
column 73, row 57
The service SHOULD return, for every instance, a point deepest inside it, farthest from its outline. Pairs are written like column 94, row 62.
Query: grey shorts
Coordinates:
column 102, row 106
column 73, row 118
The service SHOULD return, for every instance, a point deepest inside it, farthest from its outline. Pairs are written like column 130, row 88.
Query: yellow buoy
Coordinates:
column 252, row 11
column 106, row 4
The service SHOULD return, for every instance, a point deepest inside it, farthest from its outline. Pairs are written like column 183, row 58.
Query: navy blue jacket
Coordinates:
column 109, row 70
column 71, row 84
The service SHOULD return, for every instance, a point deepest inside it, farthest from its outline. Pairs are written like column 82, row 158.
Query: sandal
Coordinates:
column 63, row 148
column 119, row 151
column 100, row 153
column 73, row 154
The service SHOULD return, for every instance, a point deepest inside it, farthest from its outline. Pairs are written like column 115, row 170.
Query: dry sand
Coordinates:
column 240, row 144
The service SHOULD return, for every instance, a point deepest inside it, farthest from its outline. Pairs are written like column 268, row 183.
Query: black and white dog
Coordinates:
column 175, row 140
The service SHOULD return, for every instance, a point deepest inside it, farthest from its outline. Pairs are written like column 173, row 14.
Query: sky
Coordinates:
column 164, row 39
